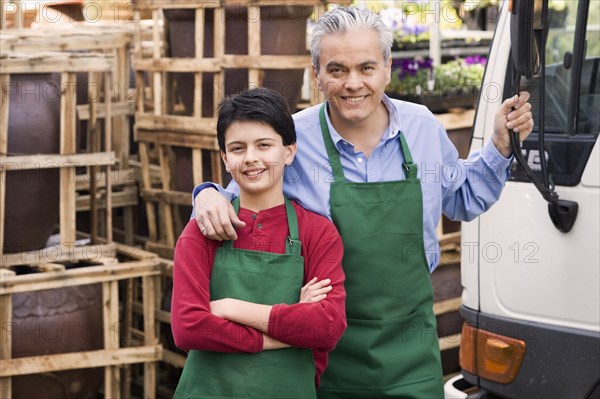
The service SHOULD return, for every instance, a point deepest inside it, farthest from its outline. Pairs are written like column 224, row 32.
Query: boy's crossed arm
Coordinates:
column 257, row 315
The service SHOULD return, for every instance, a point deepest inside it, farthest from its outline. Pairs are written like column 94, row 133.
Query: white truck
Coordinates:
column 530, row 266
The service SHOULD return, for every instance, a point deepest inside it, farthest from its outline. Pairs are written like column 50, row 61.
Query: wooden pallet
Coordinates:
column 115, row 263
column 119, row 262
column 68, row 160
column 114, row 40
column 110, row 39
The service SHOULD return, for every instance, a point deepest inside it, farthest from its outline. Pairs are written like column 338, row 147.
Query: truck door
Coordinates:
column 536, row 283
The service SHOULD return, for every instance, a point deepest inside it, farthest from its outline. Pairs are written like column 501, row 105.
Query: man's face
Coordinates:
column 353, row 76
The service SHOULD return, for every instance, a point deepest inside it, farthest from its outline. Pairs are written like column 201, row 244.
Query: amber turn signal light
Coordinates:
column 491, row 356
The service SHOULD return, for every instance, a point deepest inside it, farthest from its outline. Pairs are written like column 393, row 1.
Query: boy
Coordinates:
column 252, row 329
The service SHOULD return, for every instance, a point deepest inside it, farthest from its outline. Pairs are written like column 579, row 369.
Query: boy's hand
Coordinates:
column 215, row 216
column 314, row 291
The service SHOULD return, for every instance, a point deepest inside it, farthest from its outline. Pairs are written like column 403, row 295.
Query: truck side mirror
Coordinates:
column 526, row 16
column 527, row 38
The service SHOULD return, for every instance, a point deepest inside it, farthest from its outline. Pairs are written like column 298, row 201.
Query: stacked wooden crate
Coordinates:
column 52, row 267
column 117, row 41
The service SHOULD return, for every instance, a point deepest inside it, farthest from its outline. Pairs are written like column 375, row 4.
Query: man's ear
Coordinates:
column 316, row 75
column 290, row 153
column 388, row 70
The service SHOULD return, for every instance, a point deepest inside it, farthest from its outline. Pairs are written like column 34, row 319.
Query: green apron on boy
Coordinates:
column 390, row 348
column 259, row 277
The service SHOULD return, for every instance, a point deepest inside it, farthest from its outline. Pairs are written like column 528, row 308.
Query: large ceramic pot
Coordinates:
column 57, row 321
column 32, row 195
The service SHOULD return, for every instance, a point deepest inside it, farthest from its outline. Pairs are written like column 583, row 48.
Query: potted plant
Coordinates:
column 410, row 78
column 453, row 84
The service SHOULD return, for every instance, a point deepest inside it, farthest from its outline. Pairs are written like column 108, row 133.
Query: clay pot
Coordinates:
column 57, row 321
column 32, row 195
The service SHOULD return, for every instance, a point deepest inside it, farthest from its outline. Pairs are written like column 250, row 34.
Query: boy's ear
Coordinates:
column 290, row 153
column 224, row 158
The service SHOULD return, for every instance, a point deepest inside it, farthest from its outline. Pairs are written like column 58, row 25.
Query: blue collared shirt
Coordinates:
column 462, row 189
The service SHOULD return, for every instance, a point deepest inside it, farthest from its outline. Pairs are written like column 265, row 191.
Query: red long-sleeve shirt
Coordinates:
column 317, row 326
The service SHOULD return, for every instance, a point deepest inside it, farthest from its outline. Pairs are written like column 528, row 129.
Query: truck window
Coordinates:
column 589, row 89
column 572, row 93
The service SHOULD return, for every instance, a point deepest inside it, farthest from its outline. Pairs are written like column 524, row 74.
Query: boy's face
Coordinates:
column 255, row 156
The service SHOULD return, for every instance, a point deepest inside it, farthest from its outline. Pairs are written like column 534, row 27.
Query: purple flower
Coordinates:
column 414, row 29
column 475, row 59
column 410, row 66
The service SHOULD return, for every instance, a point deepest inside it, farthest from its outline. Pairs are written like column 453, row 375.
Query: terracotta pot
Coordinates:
column 32, row 195
column 57, row 321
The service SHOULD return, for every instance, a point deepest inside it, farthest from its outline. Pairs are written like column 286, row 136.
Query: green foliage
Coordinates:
column 418, row 76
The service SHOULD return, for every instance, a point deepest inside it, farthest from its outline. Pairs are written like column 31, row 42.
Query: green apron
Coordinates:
column 390, row 348
column 259, row 277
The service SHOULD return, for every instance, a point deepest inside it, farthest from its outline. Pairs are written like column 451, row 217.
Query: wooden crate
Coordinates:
column 158, row 126
column 117, row 263
column 138, row 264
column 115, row 40
column 68, row 65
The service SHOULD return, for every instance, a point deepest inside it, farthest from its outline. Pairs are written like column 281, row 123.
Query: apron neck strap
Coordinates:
column 410, row 168
column 292, row 244
column 332, row 153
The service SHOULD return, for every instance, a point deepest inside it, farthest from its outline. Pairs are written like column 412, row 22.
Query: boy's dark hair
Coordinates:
column 259, row 105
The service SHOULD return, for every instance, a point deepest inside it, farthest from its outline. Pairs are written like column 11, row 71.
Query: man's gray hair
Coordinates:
column 343, row 19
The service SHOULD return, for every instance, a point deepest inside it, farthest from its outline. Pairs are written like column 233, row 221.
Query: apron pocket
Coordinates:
column 382, row 354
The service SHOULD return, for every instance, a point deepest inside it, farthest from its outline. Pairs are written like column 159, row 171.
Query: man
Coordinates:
column 383, row 170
